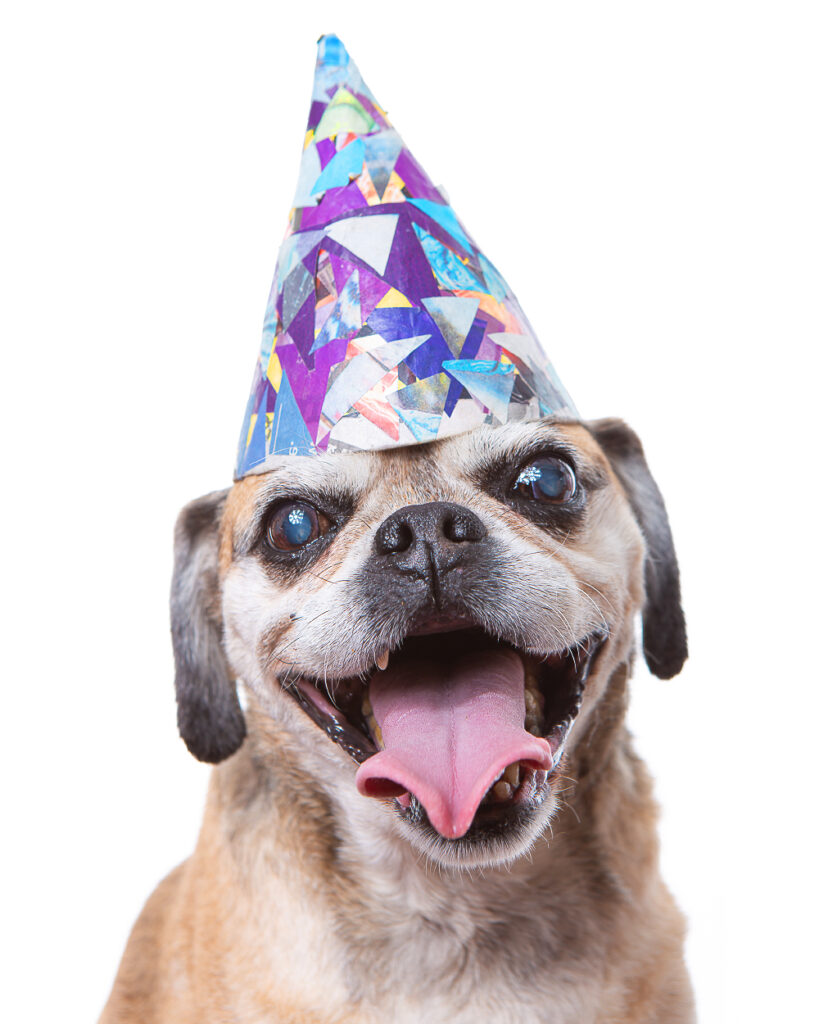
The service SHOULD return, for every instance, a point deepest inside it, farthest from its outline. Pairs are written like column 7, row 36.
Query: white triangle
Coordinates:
column 454, row 316
column 491, row 387
column 369, row 238
column 523, row 346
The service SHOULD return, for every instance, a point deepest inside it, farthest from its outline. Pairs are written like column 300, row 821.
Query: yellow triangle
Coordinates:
column 274, row 371
column 393, row 299
column 392, row 192
column 253, row 417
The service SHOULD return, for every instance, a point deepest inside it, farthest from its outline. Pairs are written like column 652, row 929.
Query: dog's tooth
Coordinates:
column 366, row 707
column 375, row 730
column 512, row 775
column 534, row 711
column 502, row 791
column 531, row 703
column 383, row 659
column 532, row 724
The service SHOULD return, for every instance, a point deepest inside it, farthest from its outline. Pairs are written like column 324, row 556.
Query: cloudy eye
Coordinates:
column 548, row 480
column 295, row 524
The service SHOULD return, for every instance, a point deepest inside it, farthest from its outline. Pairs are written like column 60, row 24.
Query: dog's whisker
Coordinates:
column 277, row 652
column 585, row 583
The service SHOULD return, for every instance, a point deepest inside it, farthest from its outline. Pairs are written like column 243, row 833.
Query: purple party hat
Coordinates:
column 386, row 325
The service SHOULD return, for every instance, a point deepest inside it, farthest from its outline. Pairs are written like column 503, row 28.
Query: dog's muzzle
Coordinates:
column 451, row 719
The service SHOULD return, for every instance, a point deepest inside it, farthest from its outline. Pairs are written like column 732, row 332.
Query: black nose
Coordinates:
column 428, row 533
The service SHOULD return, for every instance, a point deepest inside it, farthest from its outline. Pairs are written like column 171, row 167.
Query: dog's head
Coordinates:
column 432, row 626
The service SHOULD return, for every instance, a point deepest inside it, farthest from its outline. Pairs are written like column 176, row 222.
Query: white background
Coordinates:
column 644, row 174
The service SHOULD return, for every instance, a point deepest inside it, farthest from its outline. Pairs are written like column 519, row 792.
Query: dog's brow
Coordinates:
column 517, row 443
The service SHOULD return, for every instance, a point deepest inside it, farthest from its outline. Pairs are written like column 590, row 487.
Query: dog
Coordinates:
column 353, row 635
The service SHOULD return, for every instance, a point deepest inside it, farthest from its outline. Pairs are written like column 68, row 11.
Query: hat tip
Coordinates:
column 332, row 51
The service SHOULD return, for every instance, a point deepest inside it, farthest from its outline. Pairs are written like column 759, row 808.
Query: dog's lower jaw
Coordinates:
column 303, row 904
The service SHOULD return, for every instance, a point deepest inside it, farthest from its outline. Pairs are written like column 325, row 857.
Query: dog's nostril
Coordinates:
column 393, row 537
column 462, row 526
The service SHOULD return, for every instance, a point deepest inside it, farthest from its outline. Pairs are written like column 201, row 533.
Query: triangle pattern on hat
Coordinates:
column 423, row 425
column 335, row 68
column 344, row 318
column 345, row 165
column 381, row 150
column 288, row 432
column 373, row 290
column 394, row 299
column 294, row 248
column 425, row 395
column 345, row 113
column 498, row 288
column 309, row 170
column 368, row 238
column 257, row 442
column 491, row 383
column 361, row 373
column 297, row 286
column 453, row 316
column 534, row 368
column 452, row 272
column 444, row 215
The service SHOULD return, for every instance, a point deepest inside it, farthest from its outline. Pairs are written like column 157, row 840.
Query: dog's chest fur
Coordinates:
column 324, row 928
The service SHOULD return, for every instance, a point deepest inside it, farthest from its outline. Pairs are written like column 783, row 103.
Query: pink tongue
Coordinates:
column 448, row 732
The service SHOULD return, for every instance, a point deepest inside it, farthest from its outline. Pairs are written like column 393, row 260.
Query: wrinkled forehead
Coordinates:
column 440, row 470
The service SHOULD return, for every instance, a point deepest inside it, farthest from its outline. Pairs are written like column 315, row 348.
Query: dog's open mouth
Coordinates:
column 458, row 724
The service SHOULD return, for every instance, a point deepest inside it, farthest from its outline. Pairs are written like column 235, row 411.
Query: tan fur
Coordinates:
column 304, row 902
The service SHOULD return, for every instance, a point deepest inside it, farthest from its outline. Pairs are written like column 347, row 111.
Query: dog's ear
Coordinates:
column 664, row 640
column 210, row 719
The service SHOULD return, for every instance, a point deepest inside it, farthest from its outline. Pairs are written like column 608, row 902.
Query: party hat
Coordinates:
column 386, row 325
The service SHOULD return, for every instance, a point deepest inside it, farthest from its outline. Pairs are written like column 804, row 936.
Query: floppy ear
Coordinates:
column 664, row 640
column 210, row 719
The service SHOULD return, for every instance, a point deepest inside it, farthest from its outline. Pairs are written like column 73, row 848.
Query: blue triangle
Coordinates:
column 346, row 164
column 257, row 449
column 448, row 269
column 289, row 434
column 489, row 382
column 445, row 216
column 423, row 425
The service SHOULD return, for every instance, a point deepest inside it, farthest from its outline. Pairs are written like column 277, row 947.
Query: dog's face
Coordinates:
column 432, row 627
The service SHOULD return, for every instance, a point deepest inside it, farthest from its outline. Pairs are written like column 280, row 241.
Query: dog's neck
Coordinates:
column 380, row 903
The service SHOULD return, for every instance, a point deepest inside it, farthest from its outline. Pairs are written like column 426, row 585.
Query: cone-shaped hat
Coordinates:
column 386, row 324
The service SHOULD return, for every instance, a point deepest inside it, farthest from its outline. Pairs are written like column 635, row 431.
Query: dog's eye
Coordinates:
column 295, row 524
column 546, row 479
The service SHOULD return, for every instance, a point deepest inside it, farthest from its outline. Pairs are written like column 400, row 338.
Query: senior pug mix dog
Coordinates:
column 410, row 661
